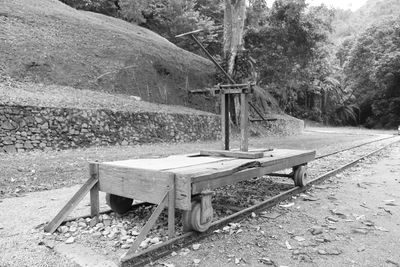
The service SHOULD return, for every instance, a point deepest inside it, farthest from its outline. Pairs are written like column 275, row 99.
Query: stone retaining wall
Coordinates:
column 26, row 128
column 284, row 125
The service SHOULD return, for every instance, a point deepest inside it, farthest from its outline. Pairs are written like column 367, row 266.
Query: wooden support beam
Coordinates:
column 244, row 122
column 94, row 191
column 225, row 121
column 171, row 211
column 206, row 207
column 235, row 91
column 235, row 85
column 146, row 228
column 66, row 210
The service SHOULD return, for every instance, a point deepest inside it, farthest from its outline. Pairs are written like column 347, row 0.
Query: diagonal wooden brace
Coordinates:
column 146, row 228
column 74, row 201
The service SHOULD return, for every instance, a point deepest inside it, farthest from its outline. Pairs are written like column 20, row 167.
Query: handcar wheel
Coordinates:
column 192, row 219
column 119, row 204
column 300, row 176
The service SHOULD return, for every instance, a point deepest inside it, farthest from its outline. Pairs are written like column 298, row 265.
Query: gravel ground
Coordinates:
column 39, row 171
column 107, row 239
column 116, row 233
column 351, row 219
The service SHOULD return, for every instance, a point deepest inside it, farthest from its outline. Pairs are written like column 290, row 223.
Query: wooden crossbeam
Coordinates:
column 225, row 89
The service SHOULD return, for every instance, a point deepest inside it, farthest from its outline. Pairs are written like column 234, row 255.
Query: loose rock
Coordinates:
column 316, row 230
column 63, row 229
column 360, row 231
column 125, row 246
column 299, row 238
column 155, row 240
column 70, row 240
column 266, row 261
column 196, row 246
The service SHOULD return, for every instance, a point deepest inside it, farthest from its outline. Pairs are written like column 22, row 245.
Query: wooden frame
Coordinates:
column 95, row 184
column 171, row 182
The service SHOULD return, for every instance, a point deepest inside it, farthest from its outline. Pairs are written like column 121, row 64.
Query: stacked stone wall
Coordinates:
column 26, row 128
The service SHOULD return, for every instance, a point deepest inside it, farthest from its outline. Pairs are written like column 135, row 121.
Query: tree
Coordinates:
column 290, row 49
column 373, row 73
column 234, row 18
column 170, row 18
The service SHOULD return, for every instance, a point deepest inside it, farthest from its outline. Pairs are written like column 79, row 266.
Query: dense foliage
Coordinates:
column 329, row 65
column 290, row 48
column 372, row 72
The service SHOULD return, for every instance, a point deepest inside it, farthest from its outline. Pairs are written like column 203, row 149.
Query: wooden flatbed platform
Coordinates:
column 146, row 179
column 180, row 182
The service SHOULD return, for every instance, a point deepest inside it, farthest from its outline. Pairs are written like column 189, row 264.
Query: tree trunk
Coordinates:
column 234, row 17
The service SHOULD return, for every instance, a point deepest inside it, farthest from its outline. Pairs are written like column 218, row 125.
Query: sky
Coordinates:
column 344, row 4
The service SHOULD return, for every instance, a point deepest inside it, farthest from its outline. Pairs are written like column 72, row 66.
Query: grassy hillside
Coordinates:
column 49, row 42
column 34, row 94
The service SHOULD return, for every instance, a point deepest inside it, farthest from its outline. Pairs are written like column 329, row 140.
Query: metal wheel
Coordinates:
column 192, row 218
column 119, row 204
column 300, row 176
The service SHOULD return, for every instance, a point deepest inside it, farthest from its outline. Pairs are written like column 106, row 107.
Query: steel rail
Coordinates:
column 356, row 146
column 165, row 248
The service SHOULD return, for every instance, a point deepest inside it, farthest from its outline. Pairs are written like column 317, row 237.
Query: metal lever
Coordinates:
column 216, row 63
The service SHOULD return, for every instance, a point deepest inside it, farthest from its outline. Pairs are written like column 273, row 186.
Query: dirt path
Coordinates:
column 37, row 171
column 21, row 244
column 351, row 220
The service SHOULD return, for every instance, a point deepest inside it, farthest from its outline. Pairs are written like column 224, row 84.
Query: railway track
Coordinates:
column 320, row 172
column 323, row 167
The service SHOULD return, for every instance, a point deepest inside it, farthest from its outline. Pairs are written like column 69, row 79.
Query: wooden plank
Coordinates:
column 94, row 191
column 66, row 210
column 159, row 164
column 244, row 122
column 232, row 154
column 214, row 170
column 146, row 228
column 145, row 185
column 224, row 168
column 292, row 157
column 219, row 169
column 200, row 184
